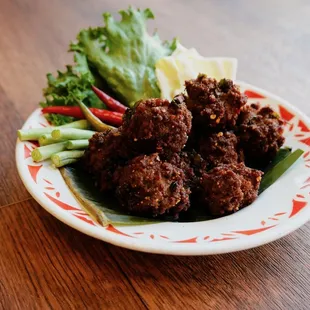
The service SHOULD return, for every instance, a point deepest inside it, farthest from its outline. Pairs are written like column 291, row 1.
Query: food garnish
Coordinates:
column 71, row 134
column 77, row 144
column 277, row 169
column 124, row 54
column 34, row 134
column 110, row 117
column 176, row 154
column 64, row 158
column 185, row 64
column 94, row 121
column 63, row 89
column 110, row 102
column 44, row 152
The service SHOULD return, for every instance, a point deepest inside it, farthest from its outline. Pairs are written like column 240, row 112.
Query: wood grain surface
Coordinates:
column 44, row 264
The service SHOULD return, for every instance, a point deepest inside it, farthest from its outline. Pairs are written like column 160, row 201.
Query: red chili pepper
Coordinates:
column 113, row 118
column 110, row 102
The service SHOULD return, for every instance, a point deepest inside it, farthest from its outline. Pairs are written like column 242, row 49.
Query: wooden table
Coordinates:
column 45, row 264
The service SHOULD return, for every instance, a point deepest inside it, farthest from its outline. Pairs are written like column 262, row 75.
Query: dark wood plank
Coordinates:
column 11, row 187
column 45, row 264
column 274, row 276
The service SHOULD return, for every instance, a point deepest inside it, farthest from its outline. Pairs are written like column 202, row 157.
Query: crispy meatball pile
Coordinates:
column 157, row 125
column 142, row 162
column 149, row 186
column 220, row 148
column 261, row 134
column 228, row 188
column 204, row 145
column 214, row 105
column 106, row 151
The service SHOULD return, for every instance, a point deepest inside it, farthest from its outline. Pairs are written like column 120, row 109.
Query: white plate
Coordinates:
column 280, row 210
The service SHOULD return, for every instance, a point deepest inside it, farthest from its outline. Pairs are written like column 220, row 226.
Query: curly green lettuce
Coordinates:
column 119, row 57
column 66, row 87
column 124, row 54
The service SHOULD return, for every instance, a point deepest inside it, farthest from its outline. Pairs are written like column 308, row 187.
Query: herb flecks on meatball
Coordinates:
column 261, row 134
column 214, row 104
column 220, row 148
column 228, row 188
column 105, row 153
column 150, row 186
column 192, row 164
column 157, row 125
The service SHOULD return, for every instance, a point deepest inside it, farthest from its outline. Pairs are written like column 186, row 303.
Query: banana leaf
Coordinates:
column 282, row 154
column 105, row 210
column 280, row 164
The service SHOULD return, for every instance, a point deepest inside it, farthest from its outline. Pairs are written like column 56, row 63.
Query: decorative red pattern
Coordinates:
column 253, row 95
column 222, row 239
column 34, row 143
column 307, row 181
column 191, row 240
column 152, row 236
column 253, row 231
column 84, row 219
column 164, row 237
column 61, row 204
column 27, row 152
column 303, row 126
column 263, row 223
column 300, row 196
column 49, row 188
column 80, row 212
column 111, row 228
column 280, row 213
column 306, row 154
column 291, row 127
column 285, row 114
column 307, row 185
column 297, row 207
column 306, row 141
column 206, row 237
column 33, row 170
column 47, row 181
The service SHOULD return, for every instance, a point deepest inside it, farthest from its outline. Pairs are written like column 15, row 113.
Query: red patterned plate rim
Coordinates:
column 273, row 216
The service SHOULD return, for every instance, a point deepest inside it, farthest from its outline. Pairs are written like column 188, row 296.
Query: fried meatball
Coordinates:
column 220, row 148
column 156, row 125
column 214, row 104
column 106, row 151
column 183, row 162
column 150, row 187
column 192, row 164
column 261, row 134
column 250, row 183
column 228, row 188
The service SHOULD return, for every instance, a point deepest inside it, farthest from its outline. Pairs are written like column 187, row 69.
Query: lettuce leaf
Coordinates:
column 124, row 54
